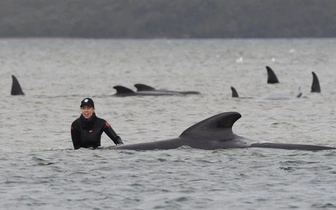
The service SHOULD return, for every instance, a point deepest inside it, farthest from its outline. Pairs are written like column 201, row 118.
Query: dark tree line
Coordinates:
column 168, row 18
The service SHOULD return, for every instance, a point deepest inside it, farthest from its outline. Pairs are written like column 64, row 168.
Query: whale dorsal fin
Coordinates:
column 122, row 90
column 315, row 88
column 234, row 93
column 16, row 87
column 143, row 87
column 271, row 77
column 298, row 93
column 218, row 126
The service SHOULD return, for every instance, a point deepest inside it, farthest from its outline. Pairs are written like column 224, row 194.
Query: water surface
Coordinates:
column 40, row 170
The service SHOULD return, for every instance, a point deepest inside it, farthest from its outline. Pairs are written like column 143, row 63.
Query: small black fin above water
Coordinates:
column 315, row 88
column 271, row 77
column 143, row 87
column 123, row 90
column 234, row 93
column 16, row 87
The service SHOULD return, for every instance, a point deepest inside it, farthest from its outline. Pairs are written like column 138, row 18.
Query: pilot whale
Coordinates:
column 144, row 87
column 215, row 133
column 123, row 91
column 16, row 87
column 271, row 96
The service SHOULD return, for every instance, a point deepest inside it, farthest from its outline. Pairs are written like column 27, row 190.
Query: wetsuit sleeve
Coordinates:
column 75, row 135
column 112, row 134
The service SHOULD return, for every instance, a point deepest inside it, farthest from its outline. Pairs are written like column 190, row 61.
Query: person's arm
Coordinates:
column 75, row 136
column 112, row 134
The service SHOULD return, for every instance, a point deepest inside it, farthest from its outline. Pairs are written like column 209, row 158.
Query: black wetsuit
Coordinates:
column 87, row 133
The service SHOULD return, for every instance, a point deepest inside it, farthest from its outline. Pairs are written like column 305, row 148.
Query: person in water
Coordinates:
column 86, row 130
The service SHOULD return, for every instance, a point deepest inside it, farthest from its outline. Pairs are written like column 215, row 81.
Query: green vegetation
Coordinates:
column 168, row 18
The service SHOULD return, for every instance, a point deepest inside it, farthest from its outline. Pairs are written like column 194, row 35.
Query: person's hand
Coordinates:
column 119, row 141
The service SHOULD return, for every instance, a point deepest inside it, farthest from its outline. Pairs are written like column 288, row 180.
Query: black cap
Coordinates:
column 87, row 102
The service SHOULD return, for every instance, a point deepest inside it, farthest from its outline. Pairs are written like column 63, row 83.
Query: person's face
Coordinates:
column 87, row 111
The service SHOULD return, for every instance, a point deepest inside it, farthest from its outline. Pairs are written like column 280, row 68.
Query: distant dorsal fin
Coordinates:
column 234, row 93
column 122, row 90
column 16, row 87
column 271, row 77
column 298, row 93
column 143, row 87
column 216, row 125
column 315, row 88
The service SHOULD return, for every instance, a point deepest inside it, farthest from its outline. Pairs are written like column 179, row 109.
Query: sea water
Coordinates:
column 40, row 170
